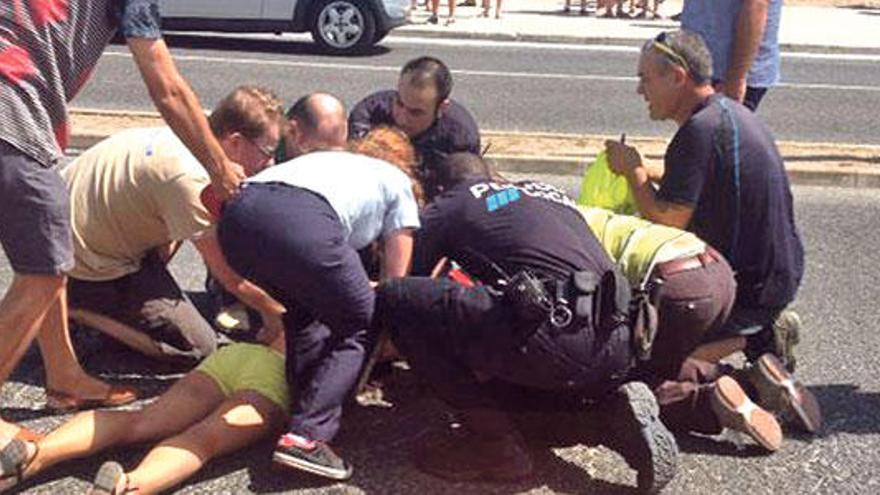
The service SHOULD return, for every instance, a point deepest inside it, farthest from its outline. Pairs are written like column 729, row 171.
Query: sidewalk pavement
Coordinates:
column 802, row 28
column 825, row 164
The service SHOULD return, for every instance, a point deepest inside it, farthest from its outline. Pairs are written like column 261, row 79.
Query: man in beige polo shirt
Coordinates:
column 134, row 198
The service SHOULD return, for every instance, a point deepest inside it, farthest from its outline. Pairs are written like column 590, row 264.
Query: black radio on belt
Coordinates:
column 527, row 296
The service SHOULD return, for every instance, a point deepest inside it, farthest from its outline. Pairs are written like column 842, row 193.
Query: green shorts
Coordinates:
column 254, row 367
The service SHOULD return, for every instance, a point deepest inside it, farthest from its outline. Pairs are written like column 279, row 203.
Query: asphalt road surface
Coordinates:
column 837, row 357
column 508, row 86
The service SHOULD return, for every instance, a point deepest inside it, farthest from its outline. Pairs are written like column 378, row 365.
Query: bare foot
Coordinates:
column 82, row 386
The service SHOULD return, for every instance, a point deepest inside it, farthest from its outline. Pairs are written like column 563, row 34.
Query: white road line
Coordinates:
column 855, row 57
column 479, row 73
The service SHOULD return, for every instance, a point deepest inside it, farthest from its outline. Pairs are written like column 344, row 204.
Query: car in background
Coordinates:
column 338, row 26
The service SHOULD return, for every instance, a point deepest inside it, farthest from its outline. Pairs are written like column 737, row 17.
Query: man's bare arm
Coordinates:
column 626, row 160
column 750, row 26
column 181, row 109
column 247, row 292
column 653, row 209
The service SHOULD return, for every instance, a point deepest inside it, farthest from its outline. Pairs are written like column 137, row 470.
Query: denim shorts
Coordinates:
column 34, row 215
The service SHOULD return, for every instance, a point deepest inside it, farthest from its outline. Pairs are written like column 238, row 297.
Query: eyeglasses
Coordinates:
column 266, row 151
column 661, row 44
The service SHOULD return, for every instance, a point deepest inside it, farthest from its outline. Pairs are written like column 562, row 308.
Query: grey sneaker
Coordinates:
column 780, row 392
column 786, row 335
column 736, row 411
column 311, row 456
column 632, row 420
column 108, row 478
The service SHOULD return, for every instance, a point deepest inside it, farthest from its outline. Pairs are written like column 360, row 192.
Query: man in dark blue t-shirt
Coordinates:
column 421, row 107
column 725, row 181
column 483, row 352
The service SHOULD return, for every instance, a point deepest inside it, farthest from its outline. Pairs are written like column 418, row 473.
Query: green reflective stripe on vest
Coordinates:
column 636, row 245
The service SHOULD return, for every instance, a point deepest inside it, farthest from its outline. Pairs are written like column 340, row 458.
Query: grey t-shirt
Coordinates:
column 371, row 197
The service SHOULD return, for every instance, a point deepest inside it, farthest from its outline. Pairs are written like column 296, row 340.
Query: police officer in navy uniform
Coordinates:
column 543, row 327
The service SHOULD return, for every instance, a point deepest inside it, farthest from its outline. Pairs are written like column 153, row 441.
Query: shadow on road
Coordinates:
column 232, row 43
column 847, row 409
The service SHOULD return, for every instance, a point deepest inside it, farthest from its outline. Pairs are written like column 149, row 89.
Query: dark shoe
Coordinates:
column 108, row 478
column 460, row 455
column 779, row 391
column 632, row 420
column 467, row 3
column 736, row 411
column 63, row 402
column 433, row 19
column 311, row 456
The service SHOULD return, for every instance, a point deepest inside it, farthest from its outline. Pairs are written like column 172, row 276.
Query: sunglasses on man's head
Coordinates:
column 661, row 44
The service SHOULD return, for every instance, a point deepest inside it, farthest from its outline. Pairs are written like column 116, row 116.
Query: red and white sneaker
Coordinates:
column 311, row 456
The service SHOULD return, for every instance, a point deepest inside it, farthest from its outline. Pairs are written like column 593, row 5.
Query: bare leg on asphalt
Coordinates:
column 63, row 371
column 22, row 311
column 119, row 331
column 184, row 404
column 242, row 420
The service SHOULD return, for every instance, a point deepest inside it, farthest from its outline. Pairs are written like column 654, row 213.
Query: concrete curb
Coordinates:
column 798, row 174
column 409, row 31
column 843, row 169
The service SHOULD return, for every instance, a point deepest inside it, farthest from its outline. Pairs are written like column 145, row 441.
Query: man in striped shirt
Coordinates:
column 48, row 49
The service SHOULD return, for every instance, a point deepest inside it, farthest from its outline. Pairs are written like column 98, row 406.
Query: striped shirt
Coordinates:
column 48, row 49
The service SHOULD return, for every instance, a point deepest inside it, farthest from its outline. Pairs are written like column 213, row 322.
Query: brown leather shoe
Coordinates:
column 735, row 411
column 117, row 395
column 781, row 392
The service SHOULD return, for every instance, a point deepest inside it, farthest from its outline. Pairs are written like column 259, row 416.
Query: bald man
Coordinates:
column 316, row 122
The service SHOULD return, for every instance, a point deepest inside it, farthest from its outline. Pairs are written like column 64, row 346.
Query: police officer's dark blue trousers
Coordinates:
column 290, row 242
column 451, row 335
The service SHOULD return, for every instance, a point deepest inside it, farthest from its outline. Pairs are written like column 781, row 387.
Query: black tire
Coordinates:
column 380, row 35
column 343, row 26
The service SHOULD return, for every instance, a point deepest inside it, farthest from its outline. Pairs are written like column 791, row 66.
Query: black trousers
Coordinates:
column 290, row 242
column 469, row 347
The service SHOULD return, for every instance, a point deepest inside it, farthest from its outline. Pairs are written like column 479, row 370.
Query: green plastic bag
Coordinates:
column 603, row 189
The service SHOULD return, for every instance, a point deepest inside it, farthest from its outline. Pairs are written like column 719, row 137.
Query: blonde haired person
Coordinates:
column 135, row 197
